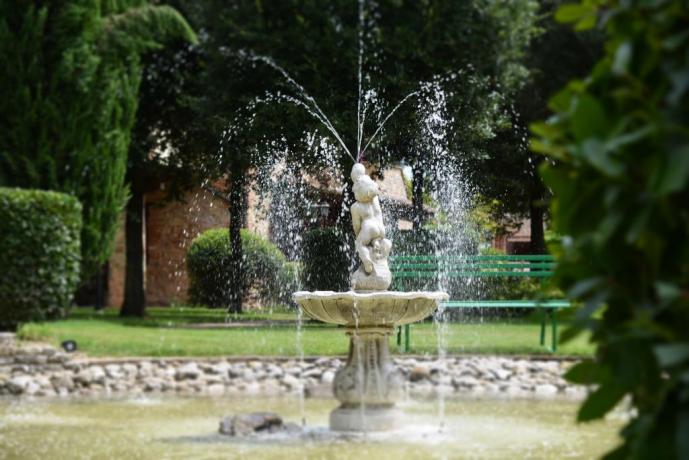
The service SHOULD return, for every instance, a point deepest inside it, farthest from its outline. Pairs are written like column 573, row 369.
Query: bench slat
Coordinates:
column 506, row 304
column 529, row 257
column 508, row 266
column 472, row 274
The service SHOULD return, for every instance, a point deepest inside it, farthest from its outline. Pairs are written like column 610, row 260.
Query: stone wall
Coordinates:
column 41, row 370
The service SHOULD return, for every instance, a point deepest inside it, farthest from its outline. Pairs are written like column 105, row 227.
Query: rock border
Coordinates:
column 40, row 370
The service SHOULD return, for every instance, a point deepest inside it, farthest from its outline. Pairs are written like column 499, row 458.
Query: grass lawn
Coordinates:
column 104, row 334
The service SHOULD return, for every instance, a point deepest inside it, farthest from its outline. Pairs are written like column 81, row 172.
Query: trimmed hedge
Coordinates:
column 326, row 260
column 40, row 246
column 208, row 266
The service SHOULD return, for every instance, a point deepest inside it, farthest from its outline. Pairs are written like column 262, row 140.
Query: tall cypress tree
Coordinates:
column 69, row 85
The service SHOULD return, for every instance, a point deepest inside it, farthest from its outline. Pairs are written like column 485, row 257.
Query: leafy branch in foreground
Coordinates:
column 618, row 167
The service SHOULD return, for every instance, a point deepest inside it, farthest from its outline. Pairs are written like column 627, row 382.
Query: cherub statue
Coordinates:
column 371, row 245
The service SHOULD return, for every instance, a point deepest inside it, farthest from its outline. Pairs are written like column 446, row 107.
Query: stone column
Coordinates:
column 368, row 385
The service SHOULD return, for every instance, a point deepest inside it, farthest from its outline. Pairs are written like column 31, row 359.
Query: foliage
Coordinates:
column 504, row 171
column 208, row 262
column 70, row 77
column 619, row 171
column 40, row 249
column 326, row 260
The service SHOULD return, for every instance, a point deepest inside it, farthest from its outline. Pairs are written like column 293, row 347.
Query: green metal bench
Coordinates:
column 433, row 268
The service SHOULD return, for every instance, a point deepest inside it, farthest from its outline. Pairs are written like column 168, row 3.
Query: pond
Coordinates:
column 174, row 427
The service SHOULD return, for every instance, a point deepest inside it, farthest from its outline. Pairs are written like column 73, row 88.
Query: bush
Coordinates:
column 326, row 260
column 208, row 265
column 40, row 247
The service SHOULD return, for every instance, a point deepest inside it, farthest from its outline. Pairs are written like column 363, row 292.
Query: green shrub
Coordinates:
column 40, row 248
column 208, row 265
column 326, row 260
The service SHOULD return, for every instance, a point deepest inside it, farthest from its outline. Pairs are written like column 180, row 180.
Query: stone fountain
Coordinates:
column 368, row 385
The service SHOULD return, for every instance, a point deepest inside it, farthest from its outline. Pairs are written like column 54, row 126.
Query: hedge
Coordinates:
column 267, row 271
column 40, row 247
column 326, row 260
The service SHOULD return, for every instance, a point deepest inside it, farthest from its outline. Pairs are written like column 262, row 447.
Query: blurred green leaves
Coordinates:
column 618, row 165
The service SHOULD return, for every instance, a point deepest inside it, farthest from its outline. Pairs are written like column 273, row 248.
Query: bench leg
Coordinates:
column 553, row 319
column 407, row 339
column 399, row 337
column 543, row 319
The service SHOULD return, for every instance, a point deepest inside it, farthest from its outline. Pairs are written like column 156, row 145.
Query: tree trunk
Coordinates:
column 134, row 303
column 417, row 189
column 536, row 213
column 236, row 209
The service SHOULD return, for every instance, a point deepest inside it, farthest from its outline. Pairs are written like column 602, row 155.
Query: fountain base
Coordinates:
column 368, row 385
column 365, row 419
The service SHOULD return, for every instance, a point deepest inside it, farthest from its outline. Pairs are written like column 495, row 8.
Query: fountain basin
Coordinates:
column 361, row 309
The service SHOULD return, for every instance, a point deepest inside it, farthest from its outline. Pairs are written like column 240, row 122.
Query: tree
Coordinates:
column 70, row 83
column 162, row 149
column 246, row 95
column 505, row 171
column 618, row 165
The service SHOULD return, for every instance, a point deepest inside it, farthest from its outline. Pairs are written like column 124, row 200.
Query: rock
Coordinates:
column 130, row 369
column 153, row 384
column 97, row 374
column 313, row 372
column 291, row 381
column 32, row 388
column 247, row 424
column 31, row 359
column 188, row 371
column 83, row 377
column 465, row 382
column 255, row 364
column 545, row 390
column 501, row 374
column 419, row 373
column 219, row 369
column 18, row 385
column 248, row 375
column 217, row 389
column 328, row 377
column 144, row 369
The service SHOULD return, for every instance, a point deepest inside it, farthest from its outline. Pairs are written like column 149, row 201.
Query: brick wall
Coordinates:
column 171, row 226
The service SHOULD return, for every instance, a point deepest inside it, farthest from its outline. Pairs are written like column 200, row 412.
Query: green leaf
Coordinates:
column 674, row 174
column 585, row 286
column 623, row 56
column 671, row 354
column 570, row 333
column 585, row 373
column 573, row 12
column 594, row 151
column 600, row 402
column 589, row 118
column 682, row 435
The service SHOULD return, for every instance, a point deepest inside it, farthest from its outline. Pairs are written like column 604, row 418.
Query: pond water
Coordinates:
column 174, row 428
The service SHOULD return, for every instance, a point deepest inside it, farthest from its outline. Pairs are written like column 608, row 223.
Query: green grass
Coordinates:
column 104, row 334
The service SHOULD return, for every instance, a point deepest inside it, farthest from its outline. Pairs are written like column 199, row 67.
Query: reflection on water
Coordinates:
column 187, row 428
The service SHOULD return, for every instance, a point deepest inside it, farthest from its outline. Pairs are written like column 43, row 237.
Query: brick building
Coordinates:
column 171, row 226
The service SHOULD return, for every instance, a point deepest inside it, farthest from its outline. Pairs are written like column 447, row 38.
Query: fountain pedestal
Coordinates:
column 368, row 385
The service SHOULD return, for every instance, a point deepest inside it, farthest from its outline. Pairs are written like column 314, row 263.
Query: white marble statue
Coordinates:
column 371, row 245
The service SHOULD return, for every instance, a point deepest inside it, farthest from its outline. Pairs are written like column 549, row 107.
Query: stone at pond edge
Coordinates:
column 255, row 422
